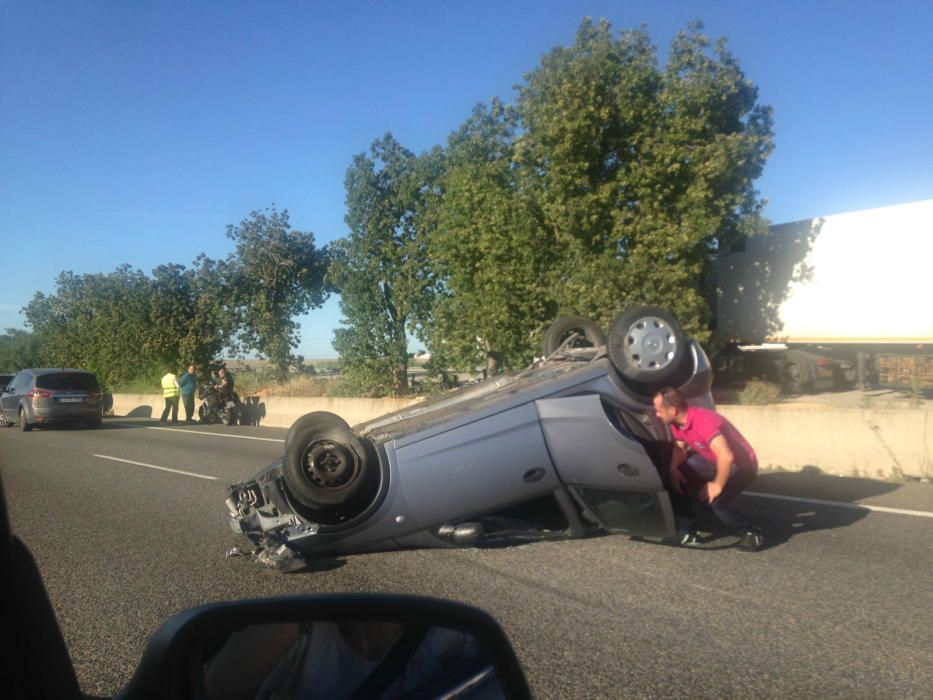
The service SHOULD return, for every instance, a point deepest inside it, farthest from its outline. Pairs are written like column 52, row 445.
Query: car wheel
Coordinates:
column 798, row 373
column 647, row 346
column 559, row 332
column 326, row 465
column 316, row 419
column 23, row 423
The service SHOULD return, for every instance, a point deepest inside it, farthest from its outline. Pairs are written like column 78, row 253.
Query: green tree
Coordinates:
column 95, row 321
column 640, row 172
column 19, row 349
column 490, row 249
column 276, row 273
column 608, row 183
column 125, row 325
column 380, row 268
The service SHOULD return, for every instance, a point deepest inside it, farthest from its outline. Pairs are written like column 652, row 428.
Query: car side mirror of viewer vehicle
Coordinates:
column 330, row 646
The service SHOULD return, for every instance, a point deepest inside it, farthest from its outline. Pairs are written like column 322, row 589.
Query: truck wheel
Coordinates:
column 798, row 373
column 647, row 346
column 326, row 465
column 591, row 335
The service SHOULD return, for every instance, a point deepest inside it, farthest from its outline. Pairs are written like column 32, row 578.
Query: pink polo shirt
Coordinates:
column 703, row 425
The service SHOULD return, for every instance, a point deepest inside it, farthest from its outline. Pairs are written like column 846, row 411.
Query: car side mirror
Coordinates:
column 341, row 646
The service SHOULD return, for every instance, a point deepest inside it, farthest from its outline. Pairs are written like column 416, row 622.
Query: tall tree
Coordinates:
column 609, row 183
column 380, row 268
column 640, row 171
column 276, row 274
column 490, row 249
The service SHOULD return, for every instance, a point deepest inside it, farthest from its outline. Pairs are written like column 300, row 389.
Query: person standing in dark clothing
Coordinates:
column 188, row 383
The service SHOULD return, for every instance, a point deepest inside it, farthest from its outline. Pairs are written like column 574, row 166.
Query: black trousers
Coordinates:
column 188, row 400
column 171, row 404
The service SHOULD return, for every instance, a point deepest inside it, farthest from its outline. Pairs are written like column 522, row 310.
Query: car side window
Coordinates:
column 20, row 381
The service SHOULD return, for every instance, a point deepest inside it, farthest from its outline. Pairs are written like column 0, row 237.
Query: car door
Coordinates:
column 10, row 399
column 607, row 470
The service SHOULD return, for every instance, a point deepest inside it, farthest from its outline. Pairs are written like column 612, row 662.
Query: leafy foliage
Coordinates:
column 276, row 273
column 380, row 268
column 124, row 325
column 18, row 350
column 608, row 183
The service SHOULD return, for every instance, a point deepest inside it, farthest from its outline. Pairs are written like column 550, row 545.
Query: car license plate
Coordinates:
column 70, row 399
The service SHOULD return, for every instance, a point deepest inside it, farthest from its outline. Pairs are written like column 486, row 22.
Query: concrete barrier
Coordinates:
column 281, row 411
column 876, row 443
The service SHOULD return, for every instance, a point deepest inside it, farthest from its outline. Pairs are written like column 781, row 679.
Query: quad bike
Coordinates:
column 214, row 409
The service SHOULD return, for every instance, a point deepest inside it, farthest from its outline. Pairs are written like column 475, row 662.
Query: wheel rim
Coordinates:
column 329, row 465
column 650, row 344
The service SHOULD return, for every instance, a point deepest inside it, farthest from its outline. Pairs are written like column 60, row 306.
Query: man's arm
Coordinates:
column 678, row 457
column 724, row 460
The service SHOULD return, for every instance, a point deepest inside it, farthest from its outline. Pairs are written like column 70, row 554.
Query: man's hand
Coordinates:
column 710, row 492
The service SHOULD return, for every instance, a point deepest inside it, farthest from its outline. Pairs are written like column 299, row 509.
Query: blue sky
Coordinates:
column 134, row 132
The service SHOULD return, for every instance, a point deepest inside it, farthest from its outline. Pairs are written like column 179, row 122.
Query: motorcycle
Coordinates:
column 214, row 409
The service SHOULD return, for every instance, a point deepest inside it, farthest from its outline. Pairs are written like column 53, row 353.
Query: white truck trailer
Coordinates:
column 830, row 302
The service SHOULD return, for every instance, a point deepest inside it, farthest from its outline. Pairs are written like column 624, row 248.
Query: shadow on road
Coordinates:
column 140, row 412
column 780, row 520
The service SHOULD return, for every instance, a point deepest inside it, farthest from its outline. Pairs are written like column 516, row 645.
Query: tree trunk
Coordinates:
column 400, row 377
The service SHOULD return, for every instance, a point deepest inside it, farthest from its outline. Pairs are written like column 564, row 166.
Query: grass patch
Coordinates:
column 757, row 392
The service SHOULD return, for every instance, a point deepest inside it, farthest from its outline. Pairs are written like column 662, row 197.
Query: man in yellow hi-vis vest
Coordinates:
column 170, row 392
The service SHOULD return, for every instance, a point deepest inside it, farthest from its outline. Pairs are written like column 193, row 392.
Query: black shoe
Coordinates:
column 687, row 536
column 752, row 540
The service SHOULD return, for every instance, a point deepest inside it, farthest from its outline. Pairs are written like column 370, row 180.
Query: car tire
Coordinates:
column 326, row 465
column 316, row 419
column 559, row 331
column 648, row 347
column 798, row 373
column 23, row 423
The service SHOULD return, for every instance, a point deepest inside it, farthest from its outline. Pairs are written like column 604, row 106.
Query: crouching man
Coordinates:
column 711, row 464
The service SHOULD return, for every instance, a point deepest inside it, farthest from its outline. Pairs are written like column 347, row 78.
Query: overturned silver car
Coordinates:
column 566, row 448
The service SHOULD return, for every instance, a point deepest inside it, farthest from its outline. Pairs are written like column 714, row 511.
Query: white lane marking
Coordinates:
column 198, row 432
column 163, row 469
column 841, row 504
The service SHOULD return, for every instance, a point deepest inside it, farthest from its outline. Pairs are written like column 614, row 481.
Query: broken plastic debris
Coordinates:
column 280, row 558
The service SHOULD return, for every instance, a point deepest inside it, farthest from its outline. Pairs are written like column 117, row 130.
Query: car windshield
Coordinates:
column 607, row 317
column 67, row 381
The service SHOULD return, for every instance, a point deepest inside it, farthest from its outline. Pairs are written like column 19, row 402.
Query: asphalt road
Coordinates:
column 840, row 605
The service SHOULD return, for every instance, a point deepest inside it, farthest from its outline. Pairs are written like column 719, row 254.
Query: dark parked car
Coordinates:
column 568, row 447
column 52, row 396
